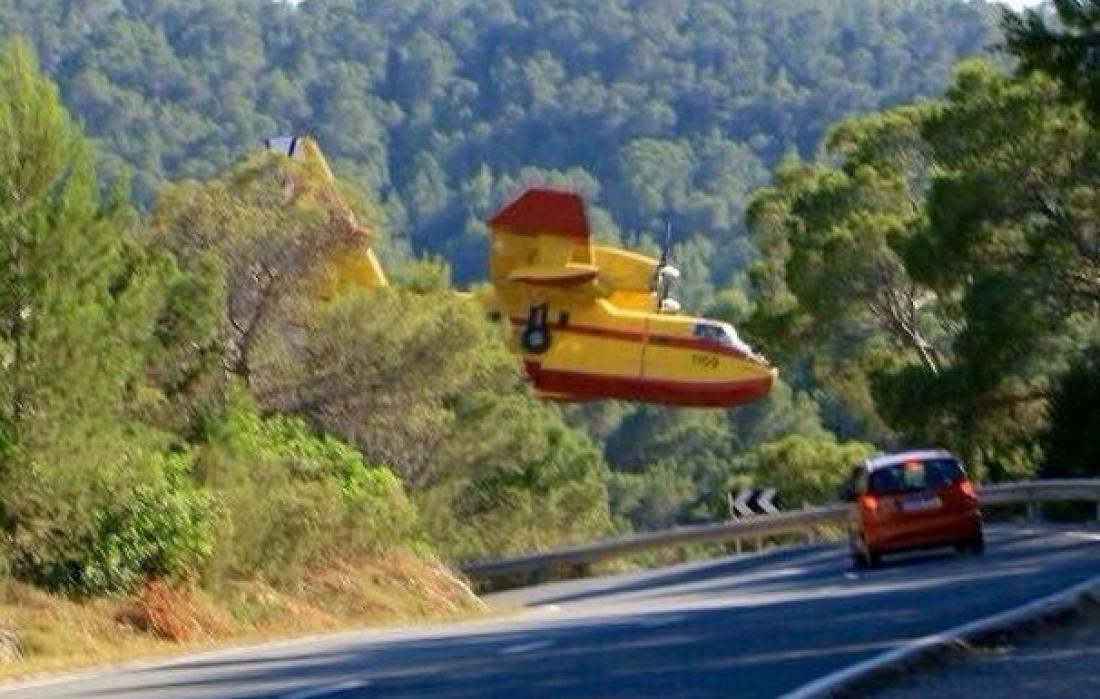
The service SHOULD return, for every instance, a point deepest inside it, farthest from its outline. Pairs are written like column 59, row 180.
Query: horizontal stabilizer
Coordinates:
column 285, row 145
column 555, row 275
column 544, row 212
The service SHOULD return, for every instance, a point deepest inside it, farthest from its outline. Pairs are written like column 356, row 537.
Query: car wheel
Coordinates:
column 977, row 544
column 859, row 560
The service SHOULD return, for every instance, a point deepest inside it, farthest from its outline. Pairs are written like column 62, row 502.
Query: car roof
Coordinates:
column 881, row 460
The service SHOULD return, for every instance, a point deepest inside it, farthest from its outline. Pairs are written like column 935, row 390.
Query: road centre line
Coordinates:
column 526, row 647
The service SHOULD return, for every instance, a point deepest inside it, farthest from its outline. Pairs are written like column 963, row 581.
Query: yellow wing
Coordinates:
column 353, row 265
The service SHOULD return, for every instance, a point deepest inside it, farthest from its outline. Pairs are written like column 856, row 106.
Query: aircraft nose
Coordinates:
column 765, row 374
column 772, row 375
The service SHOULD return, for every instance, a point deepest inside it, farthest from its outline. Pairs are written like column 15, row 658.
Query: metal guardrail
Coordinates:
column 1030, row 493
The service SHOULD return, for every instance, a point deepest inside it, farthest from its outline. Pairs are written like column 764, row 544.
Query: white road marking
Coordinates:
column 544, row 609
column 1086, row 537
column 526, row 647
column 327, row 690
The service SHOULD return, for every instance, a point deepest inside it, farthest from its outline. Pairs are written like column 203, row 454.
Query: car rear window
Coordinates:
column 915, row 475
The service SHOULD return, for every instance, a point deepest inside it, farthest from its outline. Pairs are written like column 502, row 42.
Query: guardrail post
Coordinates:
column 1034, row 511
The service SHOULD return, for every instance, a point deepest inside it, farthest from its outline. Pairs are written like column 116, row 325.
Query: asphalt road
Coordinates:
column 1060, row 663
column 749, row 627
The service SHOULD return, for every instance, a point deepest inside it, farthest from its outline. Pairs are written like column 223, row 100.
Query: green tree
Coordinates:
column 516, row 478
column 805, row 470
column 1063, row 48
column 832, row 274
column 268, row 226
column 942, row 271
column 1071, row 446
column 89, row 503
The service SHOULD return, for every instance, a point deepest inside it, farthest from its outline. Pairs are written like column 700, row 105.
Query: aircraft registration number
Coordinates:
column 707, row 361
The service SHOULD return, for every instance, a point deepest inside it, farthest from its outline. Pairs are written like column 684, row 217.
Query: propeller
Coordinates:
column 665, row 275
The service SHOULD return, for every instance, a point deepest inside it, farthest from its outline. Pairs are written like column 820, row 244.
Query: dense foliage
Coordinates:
column 175, row 402
column 441, row 109
column 1071, row 448
column 92, row 499
column 178, row 403
column 941, row 273
column 1063, row 46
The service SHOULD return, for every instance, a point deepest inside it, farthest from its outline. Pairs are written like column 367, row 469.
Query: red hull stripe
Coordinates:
column 691, row 343
column 572, row 385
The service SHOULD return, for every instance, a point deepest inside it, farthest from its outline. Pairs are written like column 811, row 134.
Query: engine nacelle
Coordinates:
column 668, row 272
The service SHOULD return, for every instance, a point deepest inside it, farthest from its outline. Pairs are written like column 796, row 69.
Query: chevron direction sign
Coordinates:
column 749, row 502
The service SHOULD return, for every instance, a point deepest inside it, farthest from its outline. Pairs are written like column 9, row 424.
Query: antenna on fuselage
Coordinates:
column 664, row 275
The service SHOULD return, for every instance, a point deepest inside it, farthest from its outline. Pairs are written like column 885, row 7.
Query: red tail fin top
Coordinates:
column 544, row 212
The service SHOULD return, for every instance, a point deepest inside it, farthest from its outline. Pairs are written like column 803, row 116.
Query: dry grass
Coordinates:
column 56, row 633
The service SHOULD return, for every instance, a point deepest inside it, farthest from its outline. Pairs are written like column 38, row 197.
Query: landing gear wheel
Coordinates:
column 536, row 340
column 536, row 334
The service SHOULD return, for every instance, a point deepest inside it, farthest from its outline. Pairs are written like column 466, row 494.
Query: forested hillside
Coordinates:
column 912, row 237
column 439, row 108
column 437, row 111
column 913, row 240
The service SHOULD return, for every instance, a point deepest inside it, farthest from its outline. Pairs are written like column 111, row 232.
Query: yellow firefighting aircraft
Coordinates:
column 591, row 322
column 596, row 322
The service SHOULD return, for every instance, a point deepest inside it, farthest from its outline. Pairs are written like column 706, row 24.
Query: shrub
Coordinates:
column 292, row 497
column 129, row 529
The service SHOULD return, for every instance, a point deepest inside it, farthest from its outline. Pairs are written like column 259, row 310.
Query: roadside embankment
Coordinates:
column 41, row 632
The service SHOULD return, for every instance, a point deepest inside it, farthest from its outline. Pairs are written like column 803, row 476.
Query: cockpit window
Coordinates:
column 721, row 334
column 712, row 333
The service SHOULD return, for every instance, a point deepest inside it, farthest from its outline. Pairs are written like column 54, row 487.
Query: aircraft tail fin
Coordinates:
column 544, row 212
column 301, row 148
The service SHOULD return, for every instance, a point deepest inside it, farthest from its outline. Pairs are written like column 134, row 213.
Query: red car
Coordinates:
column 911, row 500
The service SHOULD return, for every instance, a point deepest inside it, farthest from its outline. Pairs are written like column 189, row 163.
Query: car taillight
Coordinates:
column 967, row 488
column 869, row 502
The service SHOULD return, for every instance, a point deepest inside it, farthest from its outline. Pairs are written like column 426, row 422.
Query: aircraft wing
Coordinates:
column 352, row 264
